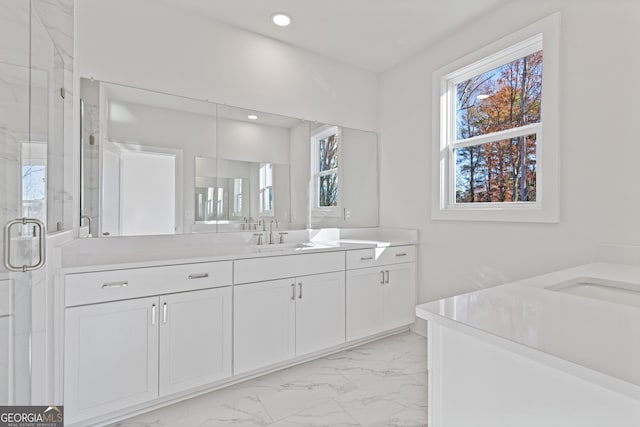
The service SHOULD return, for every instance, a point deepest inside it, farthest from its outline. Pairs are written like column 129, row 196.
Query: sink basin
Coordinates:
column 601, row 289
column 290, row 247
column 278, row 247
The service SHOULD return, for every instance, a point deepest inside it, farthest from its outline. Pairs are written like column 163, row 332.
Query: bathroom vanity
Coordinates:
column 144, row 327
column 561, row 349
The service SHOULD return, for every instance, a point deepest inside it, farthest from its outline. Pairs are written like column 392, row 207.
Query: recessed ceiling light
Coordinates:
column 252, row 117
column 281, row 19
column 483, row 96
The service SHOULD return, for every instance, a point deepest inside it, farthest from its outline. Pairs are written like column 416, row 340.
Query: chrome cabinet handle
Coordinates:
column 110, row 285
column 165, row 310
column 293, row 291
column 402, row 254
column 300, row 290
column 382, row 280
column 42, row 253
column 153, row 314
column 198, row 276
column 387, row 280
column 366, row 258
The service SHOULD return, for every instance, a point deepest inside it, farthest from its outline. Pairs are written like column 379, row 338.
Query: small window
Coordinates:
column 496, row 112
column 325, row 158
column 237, row 197
column 266, row 189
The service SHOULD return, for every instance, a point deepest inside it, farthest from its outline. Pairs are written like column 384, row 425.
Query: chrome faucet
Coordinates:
column 259, row 236
column 88, row 218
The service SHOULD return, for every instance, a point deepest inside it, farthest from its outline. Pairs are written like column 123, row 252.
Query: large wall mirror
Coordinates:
column 154, row 164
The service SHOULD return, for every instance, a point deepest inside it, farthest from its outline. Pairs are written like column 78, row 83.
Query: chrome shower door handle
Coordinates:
column 41, row 245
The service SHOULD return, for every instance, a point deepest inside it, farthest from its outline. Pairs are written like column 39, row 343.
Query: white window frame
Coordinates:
column 542, row 35
column 263, row 190
column 318, row 135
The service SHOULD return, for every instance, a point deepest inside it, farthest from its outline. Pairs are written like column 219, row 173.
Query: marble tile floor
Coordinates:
column 382, row 383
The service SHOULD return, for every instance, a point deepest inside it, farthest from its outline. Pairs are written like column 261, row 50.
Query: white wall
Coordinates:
column 194, row 134
column 252, row 142
column 147, row 44
column 599, row 150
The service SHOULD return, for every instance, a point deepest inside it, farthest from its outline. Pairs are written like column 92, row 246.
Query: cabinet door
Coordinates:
column 111, row 356
column 264, row 324
column 400, row 296
column 320, row 312
column 364, row 302
column 195, row 339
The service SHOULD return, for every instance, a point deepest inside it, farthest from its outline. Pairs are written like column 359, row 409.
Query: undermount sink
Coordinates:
column 281, row 247
column 601, row 289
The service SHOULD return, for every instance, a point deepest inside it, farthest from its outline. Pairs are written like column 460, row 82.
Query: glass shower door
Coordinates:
column 25, row 120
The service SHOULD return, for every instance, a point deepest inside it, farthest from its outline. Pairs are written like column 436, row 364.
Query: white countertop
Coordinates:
column 86, row 255
column 601, row 338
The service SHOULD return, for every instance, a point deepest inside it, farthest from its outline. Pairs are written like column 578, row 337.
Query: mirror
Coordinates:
column 154, row 163
column 241, row 196
column 344, row 177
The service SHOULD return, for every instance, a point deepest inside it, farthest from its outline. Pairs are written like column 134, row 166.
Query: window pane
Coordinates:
column 328, row 153
column 268, row 170
column 328, row 190
column 502, row 171
column 503, row 98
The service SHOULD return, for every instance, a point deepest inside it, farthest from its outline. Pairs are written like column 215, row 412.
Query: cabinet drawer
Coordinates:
column 362, row 258
column 279, row 267
column 88, row 288
column 5, row 298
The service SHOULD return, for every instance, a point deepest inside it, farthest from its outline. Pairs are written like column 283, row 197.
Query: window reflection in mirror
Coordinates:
column 260, row 148
column 344, row 177
column 239, row 196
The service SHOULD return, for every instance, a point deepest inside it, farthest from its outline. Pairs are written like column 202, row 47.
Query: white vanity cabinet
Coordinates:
column 380, row 290
column 111, row 357
column 264, row 324
column 278, row 320
column 142, row 337
column 195, row 338
column 122, row 353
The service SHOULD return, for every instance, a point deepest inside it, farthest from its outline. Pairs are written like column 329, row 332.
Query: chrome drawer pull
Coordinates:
column 293, row 291
column 199, row 276
column 401, row 254
column 387, row 280
column 153, row 314
column 164, row 312
column 382, row 281
column 300, row 294
column 115, row 285
column 366, row 258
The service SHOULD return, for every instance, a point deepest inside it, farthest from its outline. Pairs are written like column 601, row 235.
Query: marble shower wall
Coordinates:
column 55, row 17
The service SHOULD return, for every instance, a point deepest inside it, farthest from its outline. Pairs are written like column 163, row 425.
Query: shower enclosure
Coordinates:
column 33, row 202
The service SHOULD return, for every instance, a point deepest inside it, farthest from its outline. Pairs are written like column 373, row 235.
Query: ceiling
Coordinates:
column 370, row 34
